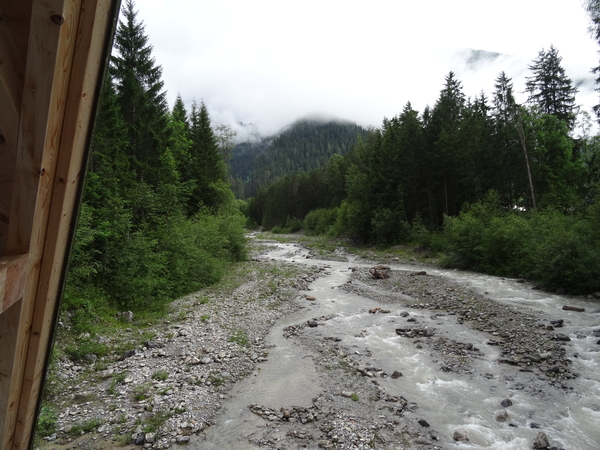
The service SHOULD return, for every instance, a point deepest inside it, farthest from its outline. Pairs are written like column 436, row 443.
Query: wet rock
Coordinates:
column 541, row 441
column 596, row 295
column 423, row 423
column 506, row 402
column 396, row 374
column 534, row 425
column 460, row 436
column 502, row 417
column 150, row 438
column 308, row 297
column 561, row 337
column 312, row 324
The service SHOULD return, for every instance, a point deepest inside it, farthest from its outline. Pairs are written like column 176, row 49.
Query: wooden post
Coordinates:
column 68, row 44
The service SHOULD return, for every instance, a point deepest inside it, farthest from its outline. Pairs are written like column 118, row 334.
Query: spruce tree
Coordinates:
column 549, row 87
column 140, row 94
column 207, row 169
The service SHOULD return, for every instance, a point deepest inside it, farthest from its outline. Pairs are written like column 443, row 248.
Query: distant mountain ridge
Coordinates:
column 304, row 145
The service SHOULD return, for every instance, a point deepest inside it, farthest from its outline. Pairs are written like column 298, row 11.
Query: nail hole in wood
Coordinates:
column 57, row 19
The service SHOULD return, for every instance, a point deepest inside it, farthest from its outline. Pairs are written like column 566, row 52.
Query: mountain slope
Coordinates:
column 302, row 146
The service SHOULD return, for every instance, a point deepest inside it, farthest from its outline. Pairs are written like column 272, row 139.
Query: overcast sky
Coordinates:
column 270, row 62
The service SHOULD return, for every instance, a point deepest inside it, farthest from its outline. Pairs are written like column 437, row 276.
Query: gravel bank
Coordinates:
column 171, row 388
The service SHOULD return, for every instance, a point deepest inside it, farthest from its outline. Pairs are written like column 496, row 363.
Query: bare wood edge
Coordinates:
column 12, row 280
column 46, row 83
column 91, row 51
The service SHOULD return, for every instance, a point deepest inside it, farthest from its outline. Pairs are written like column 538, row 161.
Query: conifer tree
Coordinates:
column 549, row 87
column 593, row 9
column 207, row 168
column 140, row 94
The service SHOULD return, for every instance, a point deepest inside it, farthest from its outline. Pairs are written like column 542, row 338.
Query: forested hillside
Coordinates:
column 303, row 146
column 158, row 218
column 512, row 189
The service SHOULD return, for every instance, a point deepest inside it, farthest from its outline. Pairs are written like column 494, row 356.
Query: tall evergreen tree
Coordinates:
column 140, row 94
column 445, row 123
column 549, row 87
column 207, row 169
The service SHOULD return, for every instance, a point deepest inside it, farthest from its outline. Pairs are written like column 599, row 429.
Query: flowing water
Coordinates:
column 449, row 401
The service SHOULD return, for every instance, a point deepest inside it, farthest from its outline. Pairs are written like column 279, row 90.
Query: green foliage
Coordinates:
column 47, row 420
column 319, row 221
column 556, row 249
column 88, row 426
column 240, row 337
column 304, row 146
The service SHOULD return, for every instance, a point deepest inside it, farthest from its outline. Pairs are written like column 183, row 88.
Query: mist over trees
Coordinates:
column 498, row 186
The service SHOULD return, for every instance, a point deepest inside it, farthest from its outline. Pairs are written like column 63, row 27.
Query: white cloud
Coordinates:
column 271, row 61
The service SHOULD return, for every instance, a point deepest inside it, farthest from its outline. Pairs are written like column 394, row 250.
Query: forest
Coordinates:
column 493, row 185
column 158, row 218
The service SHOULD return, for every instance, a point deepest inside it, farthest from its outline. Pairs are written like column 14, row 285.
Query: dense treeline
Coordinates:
column 158, row 218
column 515, row 171
column 304, row 146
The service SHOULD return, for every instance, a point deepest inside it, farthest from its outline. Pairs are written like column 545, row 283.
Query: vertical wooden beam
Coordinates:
column 91, row 50
column 9, row 321
column 53, row 29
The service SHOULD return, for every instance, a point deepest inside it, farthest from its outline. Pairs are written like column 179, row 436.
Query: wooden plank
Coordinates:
column 5, row 199
column 9, row 321
column 12, row 280
column 17, row 14
column 49, row 58
column 12, row 72
column 90, row 54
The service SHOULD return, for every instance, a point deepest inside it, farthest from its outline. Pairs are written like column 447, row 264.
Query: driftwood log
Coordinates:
column 573, row 308
column 379, row 272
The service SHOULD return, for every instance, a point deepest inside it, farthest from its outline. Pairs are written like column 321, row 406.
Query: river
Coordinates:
column 465, row 402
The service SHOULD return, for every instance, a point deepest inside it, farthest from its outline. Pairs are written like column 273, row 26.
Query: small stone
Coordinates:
column 150, row 438
column 534, row 425
column 183, row 439
column 396, row 374
column 346, row 394
column 312, row 323
column 423, row 423
column 459, row 436
column 506, row 402
column 502, row 417
column 541, row 441
column 205, row 360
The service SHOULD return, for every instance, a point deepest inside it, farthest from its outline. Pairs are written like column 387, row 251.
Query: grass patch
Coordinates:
column 79, row 429
column 354, row 397
column 240, row 337
column 161, row 375
column 153, row 422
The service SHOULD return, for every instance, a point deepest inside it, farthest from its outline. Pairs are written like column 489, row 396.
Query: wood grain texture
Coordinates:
column 48, row 68
column 91, row 48
column 9, row 322
column 12, row 280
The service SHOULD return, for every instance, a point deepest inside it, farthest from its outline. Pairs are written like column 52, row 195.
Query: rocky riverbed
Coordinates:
column 170, row 390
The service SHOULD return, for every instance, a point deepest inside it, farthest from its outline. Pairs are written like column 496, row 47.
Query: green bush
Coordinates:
column 551, row 247
column 320, row 221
